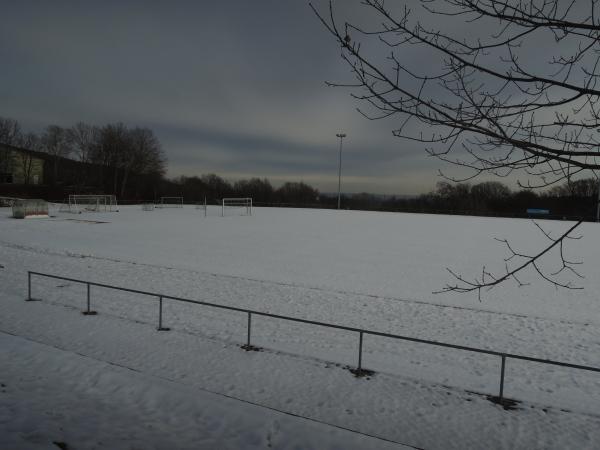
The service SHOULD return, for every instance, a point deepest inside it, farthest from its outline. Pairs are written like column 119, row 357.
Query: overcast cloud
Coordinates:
column 231, row 87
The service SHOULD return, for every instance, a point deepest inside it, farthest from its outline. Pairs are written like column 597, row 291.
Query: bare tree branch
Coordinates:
column 486, row 106
column 488, row 280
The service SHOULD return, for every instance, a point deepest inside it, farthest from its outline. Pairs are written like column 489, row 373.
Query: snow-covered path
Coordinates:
column 55, row 396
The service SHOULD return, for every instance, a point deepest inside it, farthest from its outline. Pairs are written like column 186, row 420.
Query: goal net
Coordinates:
column 240, row 206
column 94, row 203
column 29, row 208
column 170, row 202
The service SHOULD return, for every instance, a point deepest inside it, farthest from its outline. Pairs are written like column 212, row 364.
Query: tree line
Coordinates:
column 572, row 199
column 213, row 188
column 113, row 158
column 130, row 163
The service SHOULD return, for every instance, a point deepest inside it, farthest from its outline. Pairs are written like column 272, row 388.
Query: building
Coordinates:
column 21, row 166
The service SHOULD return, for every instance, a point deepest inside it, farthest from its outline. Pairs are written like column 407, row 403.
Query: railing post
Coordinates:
column 88, row 311
column 501, row 395
column 247, row 346
column 160, row 327
column 360, row 345
column 249, row 328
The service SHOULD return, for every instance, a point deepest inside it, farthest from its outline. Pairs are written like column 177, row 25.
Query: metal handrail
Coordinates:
column 359, row 370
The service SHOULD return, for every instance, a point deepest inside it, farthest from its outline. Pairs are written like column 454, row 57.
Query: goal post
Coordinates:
column 243, row 205
column 202, row 206
column 170, row 202
column 94, row 203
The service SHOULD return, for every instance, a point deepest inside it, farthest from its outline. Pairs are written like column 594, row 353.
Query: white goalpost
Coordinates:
column 241, row 205
column 202, row 206
column 170, row 202
column 95, row 203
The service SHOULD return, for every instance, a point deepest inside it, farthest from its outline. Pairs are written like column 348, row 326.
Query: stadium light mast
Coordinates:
column 341, row 136
column 598, row 203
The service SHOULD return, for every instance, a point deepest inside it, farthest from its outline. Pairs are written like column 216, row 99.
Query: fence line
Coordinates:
column 359, row 371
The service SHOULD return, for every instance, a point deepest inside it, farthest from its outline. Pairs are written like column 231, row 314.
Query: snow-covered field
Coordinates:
column 112, row 381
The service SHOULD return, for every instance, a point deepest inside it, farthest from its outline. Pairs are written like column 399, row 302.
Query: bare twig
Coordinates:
column 488, row 280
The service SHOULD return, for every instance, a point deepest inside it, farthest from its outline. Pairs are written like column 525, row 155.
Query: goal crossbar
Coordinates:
column 170, row 202
column 92, row 202
column 243, row 203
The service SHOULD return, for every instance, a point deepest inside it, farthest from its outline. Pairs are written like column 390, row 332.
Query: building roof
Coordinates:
column 35, row 154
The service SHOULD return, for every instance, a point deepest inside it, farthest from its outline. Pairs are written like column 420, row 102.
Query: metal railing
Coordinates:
column 359, row 371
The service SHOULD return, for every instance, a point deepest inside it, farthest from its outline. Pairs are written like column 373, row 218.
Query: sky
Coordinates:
column 234, row 87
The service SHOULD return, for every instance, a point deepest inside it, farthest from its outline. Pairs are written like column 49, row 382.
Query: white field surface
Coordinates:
column 112, row 381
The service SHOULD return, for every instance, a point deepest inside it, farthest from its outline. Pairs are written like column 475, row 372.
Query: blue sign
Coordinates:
column 537, row 211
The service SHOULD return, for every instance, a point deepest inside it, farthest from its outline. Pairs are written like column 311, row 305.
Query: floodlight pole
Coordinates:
column 341, row 136
column 598, row 203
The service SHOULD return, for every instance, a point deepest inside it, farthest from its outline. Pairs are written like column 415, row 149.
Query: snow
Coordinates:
column 361, row 269
column 56, row 396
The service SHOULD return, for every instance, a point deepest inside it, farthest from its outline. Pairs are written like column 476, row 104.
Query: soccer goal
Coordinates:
column 170, row 202
column 29, row 208
column 202, row 206
column 241, row 206
column 94, row 203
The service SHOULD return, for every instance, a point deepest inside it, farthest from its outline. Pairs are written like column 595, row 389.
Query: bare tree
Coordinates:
column 26, row 160
column 490, row 190
column 55, row 143
column 297, row 192
column 124, row 152
column 10, row 131
column 114, row 145
column 493, row 86
column 259, row 190
column 10, row 134
column 144, row 155
column 216, row 187
column 587, row 187
column 82, row 138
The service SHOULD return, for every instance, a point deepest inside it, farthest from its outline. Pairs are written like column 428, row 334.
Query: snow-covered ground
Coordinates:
column 362, row 269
